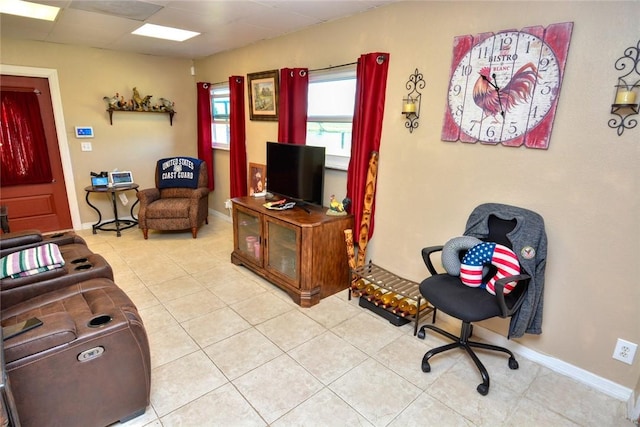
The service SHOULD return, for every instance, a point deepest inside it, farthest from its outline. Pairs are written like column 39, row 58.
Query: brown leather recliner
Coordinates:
column 80, row 264
column 174, row 208
column 88, row 364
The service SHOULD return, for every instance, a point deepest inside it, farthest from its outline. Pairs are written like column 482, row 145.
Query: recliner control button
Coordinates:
column 90, row 354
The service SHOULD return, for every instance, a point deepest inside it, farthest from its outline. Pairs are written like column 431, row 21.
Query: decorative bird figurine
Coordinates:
column 112, row 101
column 146, row 102
column 137, row 100
column 165, row 104
column 335, row 205
column 346, row 204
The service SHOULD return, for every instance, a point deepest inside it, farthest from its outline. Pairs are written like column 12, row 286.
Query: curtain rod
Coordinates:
column 334, row 66
column 317, row 69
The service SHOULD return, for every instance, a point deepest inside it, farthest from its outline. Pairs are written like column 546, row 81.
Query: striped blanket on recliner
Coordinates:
column 31, row 261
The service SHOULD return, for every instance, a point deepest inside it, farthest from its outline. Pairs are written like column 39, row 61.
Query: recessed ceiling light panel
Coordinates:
column 29, row 10
column 167, row 33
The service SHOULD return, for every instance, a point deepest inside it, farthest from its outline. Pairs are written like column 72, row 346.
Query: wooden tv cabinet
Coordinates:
column 301, row 250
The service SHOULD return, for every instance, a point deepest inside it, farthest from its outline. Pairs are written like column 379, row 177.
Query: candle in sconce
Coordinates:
column 409, row 107
column 625, row 97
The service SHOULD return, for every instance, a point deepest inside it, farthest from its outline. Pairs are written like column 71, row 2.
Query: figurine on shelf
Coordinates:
column 166, row 105
column 112, row 102
column 122, row 104
column 137, row 100
column 146, row 103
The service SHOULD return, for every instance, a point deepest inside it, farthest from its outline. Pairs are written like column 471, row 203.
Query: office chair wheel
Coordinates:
column 421, row 333
column 483, row 389
column 513, row 363
column 425, row 364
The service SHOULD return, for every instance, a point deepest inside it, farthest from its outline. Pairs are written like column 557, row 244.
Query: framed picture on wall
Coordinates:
column 257, row 176
column 263, row 95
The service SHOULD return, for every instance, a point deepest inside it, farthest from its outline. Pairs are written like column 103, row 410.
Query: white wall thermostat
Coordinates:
column 84, row 132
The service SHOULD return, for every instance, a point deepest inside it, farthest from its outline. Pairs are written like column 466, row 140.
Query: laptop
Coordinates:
column 120, row 178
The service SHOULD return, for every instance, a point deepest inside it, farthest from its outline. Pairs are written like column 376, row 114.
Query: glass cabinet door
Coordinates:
column 282, row 249
column 249, row 232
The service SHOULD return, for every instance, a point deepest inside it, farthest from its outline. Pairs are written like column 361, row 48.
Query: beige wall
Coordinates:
column 585, row 185
column 135, row 140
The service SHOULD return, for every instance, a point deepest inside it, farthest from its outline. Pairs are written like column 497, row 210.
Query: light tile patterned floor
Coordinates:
column 230, row 349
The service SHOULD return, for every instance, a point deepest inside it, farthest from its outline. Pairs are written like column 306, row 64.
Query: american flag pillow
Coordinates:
column 485, row 253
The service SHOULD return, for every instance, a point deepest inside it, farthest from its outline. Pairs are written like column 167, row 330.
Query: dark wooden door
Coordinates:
column 44, row 207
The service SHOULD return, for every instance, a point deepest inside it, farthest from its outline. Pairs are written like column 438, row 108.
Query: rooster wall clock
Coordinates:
column 504, row 87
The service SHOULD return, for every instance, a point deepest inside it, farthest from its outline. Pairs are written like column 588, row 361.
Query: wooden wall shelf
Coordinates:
column 111, row 110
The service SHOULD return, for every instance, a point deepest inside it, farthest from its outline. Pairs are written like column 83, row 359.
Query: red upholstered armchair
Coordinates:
column 170, row 206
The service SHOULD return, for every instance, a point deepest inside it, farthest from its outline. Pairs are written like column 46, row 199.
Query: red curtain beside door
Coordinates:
column 24, row 156
column 371, row 84
column 205, row 150
column 238, row 150
column 292, row 105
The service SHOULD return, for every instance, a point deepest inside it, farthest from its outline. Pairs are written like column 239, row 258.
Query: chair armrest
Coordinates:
column 199, row 193
column 148, row 195
column 19, row 238
column 426, row 256
column 500, row 297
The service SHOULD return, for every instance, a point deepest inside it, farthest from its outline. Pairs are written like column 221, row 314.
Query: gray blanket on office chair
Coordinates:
column 528, row 233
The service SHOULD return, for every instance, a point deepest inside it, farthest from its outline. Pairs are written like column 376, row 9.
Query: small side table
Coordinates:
column 116, row 224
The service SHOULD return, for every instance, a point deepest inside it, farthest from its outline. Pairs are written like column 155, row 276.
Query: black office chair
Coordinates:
column 518, row 229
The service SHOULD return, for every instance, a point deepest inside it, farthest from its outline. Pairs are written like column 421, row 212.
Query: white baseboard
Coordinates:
column 212, row 212
column 220, row 215
column 633, row 408
column 590, row 379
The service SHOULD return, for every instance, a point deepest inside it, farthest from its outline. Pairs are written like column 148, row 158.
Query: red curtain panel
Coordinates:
column 24, row 156
column 205, row 151
column 238, row 149
column 371, row 84
column 292, row 105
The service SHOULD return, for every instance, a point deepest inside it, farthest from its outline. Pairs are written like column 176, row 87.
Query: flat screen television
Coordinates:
column 296, row 172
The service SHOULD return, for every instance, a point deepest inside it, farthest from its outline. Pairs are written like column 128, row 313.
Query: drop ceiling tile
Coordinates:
column 20, row 27
column 224, row 24
column 77, row 26
column 136, row 10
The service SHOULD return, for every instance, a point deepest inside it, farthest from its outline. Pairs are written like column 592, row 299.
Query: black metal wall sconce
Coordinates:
column 411, row 104
column 625, row 104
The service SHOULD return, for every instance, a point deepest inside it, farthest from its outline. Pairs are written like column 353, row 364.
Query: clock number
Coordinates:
column 528, row 46
column 505, row 43
column 485, row 50
column 513, row 129
column 543, row 65
column 459, row 110
column 534, row 112
column 466, row 70
column 546, row 89
column 457, row 89
column 491, row 132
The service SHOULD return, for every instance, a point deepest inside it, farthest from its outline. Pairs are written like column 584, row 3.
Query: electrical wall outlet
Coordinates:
column 227, row 204
column 625, row 351
column 86, row 146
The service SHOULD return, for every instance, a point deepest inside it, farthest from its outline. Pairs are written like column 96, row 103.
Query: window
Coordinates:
column 332, row 95
column 220, row 128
